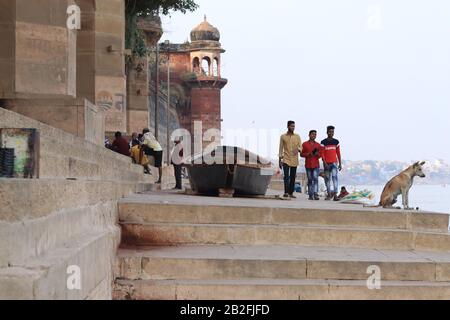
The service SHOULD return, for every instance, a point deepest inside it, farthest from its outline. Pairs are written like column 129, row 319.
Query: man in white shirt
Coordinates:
column 154, row 149
column 177, row 162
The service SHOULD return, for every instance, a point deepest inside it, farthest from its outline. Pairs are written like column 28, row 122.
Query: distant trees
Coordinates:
column 134, row 39
column 149, row 7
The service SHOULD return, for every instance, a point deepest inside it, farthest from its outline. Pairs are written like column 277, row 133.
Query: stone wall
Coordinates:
column 138, row 77
column 138, row 96
column 110, row 80
column 50, row 70
column 74, row 116
column 38, row 52
column 174, row 122
column 68, row 217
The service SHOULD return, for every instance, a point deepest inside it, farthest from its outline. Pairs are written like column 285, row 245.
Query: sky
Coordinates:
column 378, row 70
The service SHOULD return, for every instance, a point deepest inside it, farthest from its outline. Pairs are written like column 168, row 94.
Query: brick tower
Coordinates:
column 206, row 83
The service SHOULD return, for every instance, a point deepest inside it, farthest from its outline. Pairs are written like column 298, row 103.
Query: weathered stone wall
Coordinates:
column 50, row 70
column 7, row 34
column 174, row 122
column 138, row 94
column 67, row 217
column 67, row 115
column 101, row 60
column 110, row 81
column 38, row 52
column 138, row 78
column 206, row 107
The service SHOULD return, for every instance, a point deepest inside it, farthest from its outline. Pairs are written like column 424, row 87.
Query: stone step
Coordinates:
column 42, row 197
column 179, row 208
column 61, row 166
column 45, row 278
column 20, row 242
column 38, row 215
column 277, row 289
column 146, row 234
column 279, row 262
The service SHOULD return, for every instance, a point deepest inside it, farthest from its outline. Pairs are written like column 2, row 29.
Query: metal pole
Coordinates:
column 168, row 102
column 157, row 92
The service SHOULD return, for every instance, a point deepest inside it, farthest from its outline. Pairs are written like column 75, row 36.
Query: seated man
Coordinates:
column 134, row 136
column 343, row 194
column 139, row 157
column 120, row 145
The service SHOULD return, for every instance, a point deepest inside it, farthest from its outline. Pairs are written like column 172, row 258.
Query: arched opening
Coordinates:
column 206, row 65
column 196, row 65
column 215, row 67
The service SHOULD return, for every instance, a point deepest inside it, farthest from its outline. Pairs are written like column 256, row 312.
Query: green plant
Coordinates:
column 189, row 76
column 134, row 38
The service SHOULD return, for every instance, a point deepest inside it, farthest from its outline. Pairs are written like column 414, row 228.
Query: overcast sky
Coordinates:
column 377, row 70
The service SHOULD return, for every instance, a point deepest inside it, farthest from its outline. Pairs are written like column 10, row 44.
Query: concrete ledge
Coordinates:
column 23, row 242
column 168, row 207
column 46, row 278
column 203, row 234
column 206, row 214
column 268, row 289
column 22, row 200
column 279, row 262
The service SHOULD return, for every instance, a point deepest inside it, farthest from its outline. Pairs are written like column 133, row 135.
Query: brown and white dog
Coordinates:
column 400, row 185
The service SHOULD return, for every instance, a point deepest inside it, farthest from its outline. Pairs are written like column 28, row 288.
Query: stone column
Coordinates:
column 138, row 113
column 110, row 80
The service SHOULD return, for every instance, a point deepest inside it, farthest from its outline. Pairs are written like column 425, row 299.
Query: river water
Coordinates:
column 426, row 197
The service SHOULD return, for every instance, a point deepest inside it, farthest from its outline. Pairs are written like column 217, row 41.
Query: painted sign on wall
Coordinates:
column 25, row 143
column 111, row 99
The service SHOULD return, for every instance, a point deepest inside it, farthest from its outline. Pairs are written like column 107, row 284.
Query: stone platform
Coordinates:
column 176, row 246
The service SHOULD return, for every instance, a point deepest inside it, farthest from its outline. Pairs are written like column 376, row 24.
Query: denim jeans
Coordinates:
column 290, row 174
column 178, row 179
column 332, row 176
column 313, row 181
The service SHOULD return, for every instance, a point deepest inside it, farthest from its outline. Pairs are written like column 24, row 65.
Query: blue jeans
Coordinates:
column 331, row 174
column 290, row 174
column 313, row 181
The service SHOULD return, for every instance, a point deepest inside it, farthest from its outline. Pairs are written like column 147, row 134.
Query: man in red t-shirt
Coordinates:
column 311, row 153
column 332, row 163
column 120, row 145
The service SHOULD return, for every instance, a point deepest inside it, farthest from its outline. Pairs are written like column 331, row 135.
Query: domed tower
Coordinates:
column 206, row 83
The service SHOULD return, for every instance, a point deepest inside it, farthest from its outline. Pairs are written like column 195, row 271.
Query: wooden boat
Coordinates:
column 230, row 168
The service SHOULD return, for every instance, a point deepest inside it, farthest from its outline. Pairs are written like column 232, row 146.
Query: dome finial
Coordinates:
column 205, row 32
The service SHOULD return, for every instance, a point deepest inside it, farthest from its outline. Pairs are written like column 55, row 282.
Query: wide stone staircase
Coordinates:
column 66, row 218
column 184, row 247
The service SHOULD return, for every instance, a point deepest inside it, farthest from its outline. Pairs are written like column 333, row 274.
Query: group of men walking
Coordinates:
column 291, row 147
